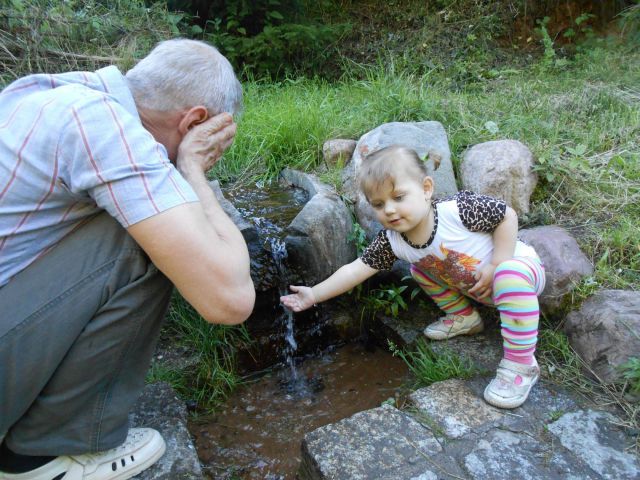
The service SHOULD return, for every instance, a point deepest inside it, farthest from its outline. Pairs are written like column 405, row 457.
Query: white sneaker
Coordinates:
column 452, row 325
column 512, row 384
column 142, row 448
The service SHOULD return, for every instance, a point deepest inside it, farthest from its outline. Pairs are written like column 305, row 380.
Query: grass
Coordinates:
column 582, row 122
column 429, row 367
column 212, row 375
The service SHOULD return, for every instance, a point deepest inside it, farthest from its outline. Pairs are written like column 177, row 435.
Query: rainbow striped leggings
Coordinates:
column 516, row 285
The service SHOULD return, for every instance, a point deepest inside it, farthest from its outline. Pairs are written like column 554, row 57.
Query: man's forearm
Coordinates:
column 217, row 217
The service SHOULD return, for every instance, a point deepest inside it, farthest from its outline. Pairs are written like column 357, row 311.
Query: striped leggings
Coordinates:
column 516, row 285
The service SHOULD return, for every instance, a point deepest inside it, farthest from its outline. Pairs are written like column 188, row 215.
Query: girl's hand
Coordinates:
column 484, row 284
column 299, row 301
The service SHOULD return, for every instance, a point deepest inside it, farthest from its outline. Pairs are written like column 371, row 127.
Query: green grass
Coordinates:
column 429, row 367
column 213, row 374
column 582, row 122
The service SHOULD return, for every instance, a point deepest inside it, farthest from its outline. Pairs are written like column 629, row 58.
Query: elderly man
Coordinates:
column 104, row 206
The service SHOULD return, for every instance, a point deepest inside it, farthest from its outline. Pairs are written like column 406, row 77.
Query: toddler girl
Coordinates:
column 462, row 246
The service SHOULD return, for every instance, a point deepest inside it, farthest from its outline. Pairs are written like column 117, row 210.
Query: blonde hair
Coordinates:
column 386, row 164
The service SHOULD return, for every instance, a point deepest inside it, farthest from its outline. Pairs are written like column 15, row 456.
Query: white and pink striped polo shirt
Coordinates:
column 72, row 145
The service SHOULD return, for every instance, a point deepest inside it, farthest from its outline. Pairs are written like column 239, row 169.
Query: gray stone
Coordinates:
column 605, row 331
column 455, row 408
column 338, row 151
column 594, row 438
column 158, row 407
column 306, row 181
column 565, row 264
column 382, row 443
column 528, row 459
column 318, row 237
column 502, row 169
column 428, row 139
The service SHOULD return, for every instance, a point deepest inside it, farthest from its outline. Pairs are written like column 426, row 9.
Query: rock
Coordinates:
column 158, row 407
column 338, row 151
column 565, row 264
column 449, row 432
column 605, row 331
column 528, row 459
column 428, row 139
column 501, row 169
column 598, row 441
column 318, row 237
column 467, row 413
column 360, row 447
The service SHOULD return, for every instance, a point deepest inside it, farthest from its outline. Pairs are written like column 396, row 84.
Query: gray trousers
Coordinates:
column 78, row 328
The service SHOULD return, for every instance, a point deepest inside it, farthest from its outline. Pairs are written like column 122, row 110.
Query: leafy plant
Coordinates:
column 390, row 298
column 549, row 51
column 631, row 373
column 429, row 366
column 359, row 237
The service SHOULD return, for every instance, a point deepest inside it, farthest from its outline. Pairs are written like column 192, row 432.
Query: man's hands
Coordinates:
column 204, row 144
column 299, row 301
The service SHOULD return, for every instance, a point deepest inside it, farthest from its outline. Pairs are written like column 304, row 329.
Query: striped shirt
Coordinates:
column 72, row 145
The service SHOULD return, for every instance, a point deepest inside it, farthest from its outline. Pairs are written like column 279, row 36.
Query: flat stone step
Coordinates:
column 450, row 432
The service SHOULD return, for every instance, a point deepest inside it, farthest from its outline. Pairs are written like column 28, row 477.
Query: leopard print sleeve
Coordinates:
column 379, row 254
column 480, row 213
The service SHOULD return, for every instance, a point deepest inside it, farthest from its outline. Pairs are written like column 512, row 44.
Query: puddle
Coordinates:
column 271, row 208
column 258, row 433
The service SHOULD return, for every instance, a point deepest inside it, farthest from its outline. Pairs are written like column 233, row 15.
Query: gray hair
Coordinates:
column 182, row 73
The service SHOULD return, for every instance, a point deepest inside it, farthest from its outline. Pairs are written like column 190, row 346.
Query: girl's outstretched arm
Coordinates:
column 343, row 280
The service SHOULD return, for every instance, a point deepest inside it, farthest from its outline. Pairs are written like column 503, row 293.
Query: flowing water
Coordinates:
column 258, row 432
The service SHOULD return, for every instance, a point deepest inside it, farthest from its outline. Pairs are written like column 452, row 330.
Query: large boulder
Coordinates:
column 428, row 139
column 605, row 331
column 501, row 169
column 318, row 237
column 565, row 264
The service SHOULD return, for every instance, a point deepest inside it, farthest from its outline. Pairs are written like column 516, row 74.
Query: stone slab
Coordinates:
column 158, row 407
column 382, row 443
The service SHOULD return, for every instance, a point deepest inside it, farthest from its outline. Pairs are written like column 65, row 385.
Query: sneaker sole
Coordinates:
column 507, row 403
column 440, row 335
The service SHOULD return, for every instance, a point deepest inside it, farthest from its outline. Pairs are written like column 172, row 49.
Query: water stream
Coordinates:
column 258, row 431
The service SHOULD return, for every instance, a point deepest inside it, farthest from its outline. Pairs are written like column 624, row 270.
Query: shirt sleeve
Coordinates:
column 379, row 254
column 480, row 213
column 110, row 158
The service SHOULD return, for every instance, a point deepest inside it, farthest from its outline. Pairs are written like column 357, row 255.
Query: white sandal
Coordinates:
column 512, row 384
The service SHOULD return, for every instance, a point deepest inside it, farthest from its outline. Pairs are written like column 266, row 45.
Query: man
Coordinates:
column 104, row 205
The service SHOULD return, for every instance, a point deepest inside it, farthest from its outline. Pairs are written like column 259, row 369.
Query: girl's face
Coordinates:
column 403, row 205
